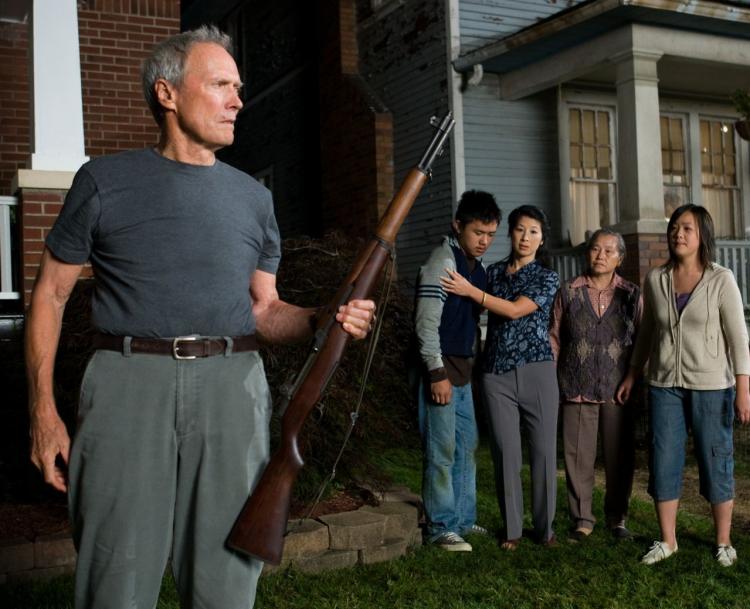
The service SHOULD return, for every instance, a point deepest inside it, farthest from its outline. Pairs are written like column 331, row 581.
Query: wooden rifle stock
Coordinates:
column 261, row 525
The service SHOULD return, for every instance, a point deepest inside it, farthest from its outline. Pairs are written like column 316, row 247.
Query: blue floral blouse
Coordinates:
column 511, row 343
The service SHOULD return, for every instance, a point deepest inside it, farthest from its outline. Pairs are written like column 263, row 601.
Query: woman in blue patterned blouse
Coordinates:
column 519, row 379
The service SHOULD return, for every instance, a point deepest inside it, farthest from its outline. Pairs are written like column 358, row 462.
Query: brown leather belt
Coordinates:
column 181, row 347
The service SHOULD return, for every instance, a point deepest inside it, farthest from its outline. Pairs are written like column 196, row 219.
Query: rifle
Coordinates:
column 261, row 525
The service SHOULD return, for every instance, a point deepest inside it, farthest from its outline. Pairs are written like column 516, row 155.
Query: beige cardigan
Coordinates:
column 706, row 346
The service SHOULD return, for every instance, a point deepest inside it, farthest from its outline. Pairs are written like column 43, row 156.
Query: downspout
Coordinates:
column 455, row 100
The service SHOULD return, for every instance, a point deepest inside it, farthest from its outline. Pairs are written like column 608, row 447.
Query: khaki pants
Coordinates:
column 164, row 457
column 615, row 424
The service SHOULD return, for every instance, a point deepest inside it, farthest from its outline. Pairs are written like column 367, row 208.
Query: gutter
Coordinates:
column 594, row 8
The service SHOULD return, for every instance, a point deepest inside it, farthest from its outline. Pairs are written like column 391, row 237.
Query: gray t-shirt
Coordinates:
column 173, row 246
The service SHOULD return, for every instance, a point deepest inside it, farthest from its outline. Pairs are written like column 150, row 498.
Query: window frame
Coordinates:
column 695, row 110
column 688, row 152
column 692, row 111
column 568, row 99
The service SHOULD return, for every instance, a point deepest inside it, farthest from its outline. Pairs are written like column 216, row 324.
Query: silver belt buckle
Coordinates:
column 176, row 346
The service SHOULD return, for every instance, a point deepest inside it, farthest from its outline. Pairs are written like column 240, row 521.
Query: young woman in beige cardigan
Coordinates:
column 694, row 337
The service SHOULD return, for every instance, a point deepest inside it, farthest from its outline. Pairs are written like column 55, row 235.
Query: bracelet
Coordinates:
column 484, row 297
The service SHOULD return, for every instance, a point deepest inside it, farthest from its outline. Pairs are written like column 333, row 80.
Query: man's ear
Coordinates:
column 456, row 226
column 166, row 94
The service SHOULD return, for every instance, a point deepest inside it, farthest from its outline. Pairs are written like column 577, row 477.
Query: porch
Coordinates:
column 734, row 255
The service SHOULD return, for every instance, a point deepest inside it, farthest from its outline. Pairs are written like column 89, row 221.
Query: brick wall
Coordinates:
column 356, row 138
column 115, row 36
column 39, row 209
column 644, row 252
column 14, row 102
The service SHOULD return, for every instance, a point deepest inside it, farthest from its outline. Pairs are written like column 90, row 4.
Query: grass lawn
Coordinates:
column 598, row 574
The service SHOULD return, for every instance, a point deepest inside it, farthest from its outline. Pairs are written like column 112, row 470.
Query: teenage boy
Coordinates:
column 447, row 335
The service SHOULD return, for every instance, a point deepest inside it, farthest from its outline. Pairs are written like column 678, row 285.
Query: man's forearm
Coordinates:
column 43, row 325
column 284, row 323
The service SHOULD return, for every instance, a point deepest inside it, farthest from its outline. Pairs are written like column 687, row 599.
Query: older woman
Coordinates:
column 594, row 320
column 694, row 337
column 519, row 380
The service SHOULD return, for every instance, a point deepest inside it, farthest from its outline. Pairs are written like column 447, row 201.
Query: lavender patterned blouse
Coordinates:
column 511, row 343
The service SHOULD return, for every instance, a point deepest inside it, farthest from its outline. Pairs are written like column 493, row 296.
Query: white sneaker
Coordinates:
column 658, row 552
column 452, row 542
column 726, row 556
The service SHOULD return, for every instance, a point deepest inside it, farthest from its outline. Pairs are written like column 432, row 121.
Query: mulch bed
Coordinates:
column 32, row 520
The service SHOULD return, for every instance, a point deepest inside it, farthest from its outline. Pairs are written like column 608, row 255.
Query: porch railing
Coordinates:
column 8, row 206
column 734, row 255
column 569, row 262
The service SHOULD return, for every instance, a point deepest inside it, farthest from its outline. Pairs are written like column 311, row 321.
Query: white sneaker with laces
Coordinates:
column 659, row 551
column 726, row 555
column 452, row 542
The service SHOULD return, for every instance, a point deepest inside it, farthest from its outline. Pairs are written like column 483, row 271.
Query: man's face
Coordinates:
column 207, row 101
column 475, row 237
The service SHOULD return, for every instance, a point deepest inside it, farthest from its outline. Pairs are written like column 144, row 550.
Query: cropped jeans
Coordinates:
column 710, row 415
column 450, row 438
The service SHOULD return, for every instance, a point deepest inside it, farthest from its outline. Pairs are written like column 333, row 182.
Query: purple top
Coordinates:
column 681, row 300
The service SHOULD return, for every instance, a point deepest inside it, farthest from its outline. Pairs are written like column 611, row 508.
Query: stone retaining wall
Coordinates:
column 367, row 535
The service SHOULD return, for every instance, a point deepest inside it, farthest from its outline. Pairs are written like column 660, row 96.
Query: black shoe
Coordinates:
column 621, row 533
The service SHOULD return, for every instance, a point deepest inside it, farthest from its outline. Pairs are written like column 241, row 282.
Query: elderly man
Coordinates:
column 174, row 408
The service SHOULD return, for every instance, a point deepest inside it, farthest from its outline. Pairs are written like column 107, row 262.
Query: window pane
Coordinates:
column 592, row 162
column 674, row 196
column 675, row 134
column 584, row 198
column 664, row 130
column 678, row 163
column 715, row 136
column 606, row 205
column 602, row 157
column 588, row 127
column 666, row 164
column 589, row 158
column 721, row 204
column 730, row 171
column 720, row 192
column 674, row 163
column 602, row 130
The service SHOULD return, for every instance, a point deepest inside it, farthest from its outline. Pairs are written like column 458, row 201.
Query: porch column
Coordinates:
column 639, row 179
column 57, row 109
column 641, row 197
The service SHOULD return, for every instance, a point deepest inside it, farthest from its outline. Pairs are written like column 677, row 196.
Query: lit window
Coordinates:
column 721, row 193
column 592, row 175
column 674, row 163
